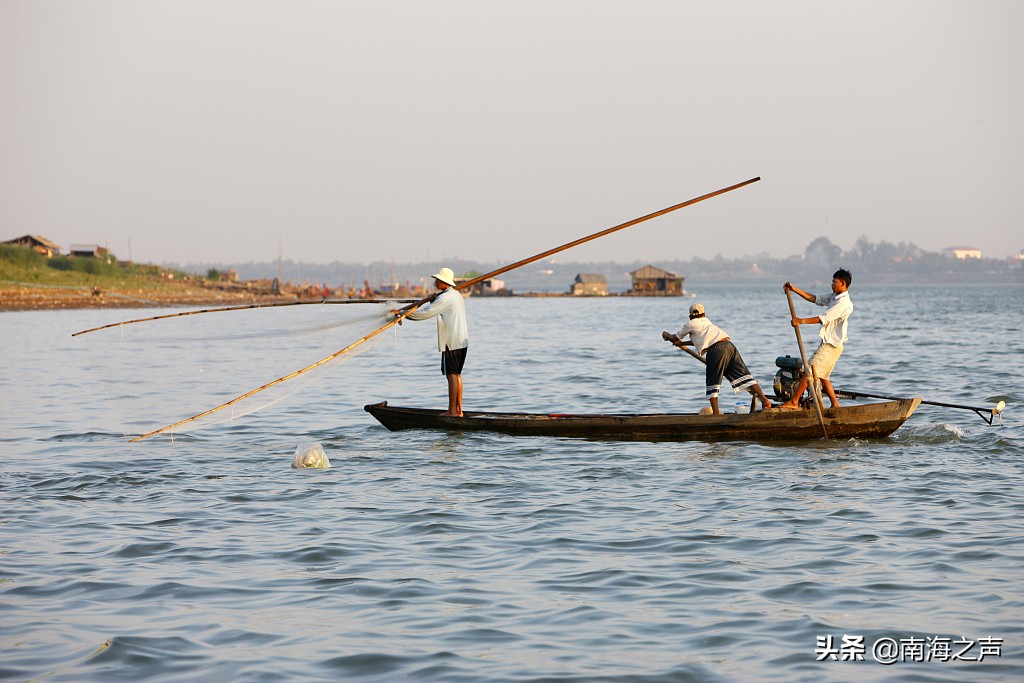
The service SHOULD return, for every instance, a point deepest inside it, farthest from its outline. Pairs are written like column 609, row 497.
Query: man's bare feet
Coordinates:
column 788, row 406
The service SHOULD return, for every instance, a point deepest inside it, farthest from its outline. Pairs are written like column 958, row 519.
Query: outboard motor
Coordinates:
column 788, row 377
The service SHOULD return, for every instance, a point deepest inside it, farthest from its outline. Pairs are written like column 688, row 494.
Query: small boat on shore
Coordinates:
column 872, row 420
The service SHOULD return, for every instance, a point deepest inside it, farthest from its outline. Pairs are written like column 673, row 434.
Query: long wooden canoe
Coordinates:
column 872, row 420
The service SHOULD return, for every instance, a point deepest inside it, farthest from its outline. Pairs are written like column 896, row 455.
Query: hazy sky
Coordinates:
column 214, row 130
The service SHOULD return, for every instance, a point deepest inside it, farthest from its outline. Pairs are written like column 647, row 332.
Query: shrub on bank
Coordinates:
column 22, row 256
column 91, row 266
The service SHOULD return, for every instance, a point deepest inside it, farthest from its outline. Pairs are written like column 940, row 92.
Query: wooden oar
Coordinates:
column 986, row 414
column 690, row 351
column 243, row 307
column 406, row 311
column 808, row 371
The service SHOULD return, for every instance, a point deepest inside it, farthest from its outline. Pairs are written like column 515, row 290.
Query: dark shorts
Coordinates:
column 724, row 359
column 452, row 361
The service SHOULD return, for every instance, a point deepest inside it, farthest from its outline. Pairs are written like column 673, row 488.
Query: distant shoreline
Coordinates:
column 44, row 298
column 15, row 298
column 48, row 297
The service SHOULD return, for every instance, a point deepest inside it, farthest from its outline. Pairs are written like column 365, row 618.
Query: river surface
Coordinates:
column 480, row 557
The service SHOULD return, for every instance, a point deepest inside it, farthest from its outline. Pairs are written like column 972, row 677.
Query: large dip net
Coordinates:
column 182, row 371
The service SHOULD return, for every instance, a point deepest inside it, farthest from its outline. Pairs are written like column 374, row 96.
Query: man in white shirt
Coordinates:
column 449, row 308
column 723, row 359
column 838, row 308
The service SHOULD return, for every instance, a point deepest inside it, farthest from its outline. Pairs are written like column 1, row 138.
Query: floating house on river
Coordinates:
column 651, row 281
column 589, row 284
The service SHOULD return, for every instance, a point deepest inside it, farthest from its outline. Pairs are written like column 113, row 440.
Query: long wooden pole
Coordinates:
column 602, row 233
column 270, row 384
column 690, row 351
column 406, row 311
column 808, row 371
column 987, row 414
column 242, row 307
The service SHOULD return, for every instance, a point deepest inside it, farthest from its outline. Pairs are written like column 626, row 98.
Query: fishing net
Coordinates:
column 202, row 368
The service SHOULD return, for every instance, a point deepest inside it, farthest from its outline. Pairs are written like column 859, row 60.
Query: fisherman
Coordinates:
column 838, row 308
column 723, row 359
column 452, row 333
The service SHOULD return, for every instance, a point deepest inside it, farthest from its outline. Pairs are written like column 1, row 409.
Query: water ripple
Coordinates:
column 476, row 557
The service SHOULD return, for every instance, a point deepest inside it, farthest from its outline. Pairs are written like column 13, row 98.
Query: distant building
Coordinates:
column 88, row 251
column 589, row 284
column 962, row 252
column 38, row 243
column 651, row 281
column 489, row 287
column 494, row 287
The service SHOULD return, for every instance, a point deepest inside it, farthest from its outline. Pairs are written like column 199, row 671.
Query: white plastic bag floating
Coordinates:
column 310, row 455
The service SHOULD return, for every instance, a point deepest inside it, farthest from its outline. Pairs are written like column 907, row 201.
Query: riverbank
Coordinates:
column 25, row 297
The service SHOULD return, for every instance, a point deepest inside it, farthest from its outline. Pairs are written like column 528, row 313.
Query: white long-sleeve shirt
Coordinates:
column 450, row 310
column 833, row 320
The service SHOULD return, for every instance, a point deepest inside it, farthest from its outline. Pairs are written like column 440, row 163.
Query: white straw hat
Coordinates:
column 446, row 276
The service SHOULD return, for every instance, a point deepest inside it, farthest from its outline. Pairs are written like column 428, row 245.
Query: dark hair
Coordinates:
column 844, row 275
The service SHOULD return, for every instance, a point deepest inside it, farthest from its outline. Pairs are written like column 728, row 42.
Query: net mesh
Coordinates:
column 156, row 373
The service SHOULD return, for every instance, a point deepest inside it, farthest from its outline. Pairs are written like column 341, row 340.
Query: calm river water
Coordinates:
column 433, row 557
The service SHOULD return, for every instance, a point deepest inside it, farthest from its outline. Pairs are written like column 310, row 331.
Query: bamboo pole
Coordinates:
column 406, row 311
column 808, row 370
column 690, row 351
column 602, row 233
column 270, row 384
column 240, row 308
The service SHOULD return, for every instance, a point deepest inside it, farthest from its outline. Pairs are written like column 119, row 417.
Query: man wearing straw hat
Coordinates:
column 452, row 334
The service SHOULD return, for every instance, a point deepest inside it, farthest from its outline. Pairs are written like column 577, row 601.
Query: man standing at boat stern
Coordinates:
column 838, row 308
column 723, row 359
column 449, row 308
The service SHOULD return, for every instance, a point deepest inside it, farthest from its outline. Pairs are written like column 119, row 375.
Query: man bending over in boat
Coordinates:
column 723, row 359
column 452, row 334
column 838, row 308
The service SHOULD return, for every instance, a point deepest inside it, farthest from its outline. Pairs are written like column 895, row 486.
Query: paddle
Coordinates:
column 808, row 370
column 406, row 311
column 987, row 414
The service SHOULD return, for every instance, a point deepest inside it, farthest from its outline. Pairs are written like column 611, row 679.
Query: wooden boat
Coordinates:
column 872, row 420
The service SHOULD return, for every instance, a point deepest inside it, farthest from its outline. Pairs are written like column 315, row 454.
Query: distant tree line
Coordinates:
column 869, row 261
column 881, row 262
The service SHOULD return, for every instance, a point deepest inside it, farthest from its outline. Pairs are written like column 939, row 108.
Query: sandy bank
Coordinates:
column 21, row 298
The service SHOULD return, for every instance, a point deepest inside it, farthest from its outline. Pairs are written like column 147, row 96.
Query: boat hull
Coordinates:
column 873, row 420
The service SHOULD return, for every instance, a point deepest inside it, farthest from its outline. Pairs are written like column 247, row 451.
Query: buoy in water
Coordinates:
column 310, row 455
